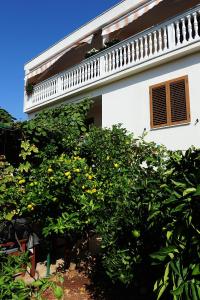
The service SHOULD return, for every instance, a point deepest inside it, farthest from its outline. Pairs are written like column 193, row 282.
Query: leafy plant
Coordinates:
column 5, row 117
column 11, row 287
column 29, row 89
column 108, row 44
column 92, row 52
column 142, row 200
column 180, row 258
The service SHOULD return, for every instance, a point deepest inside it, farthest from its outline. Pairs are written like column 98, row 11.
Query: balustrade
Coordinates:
column 158, row 40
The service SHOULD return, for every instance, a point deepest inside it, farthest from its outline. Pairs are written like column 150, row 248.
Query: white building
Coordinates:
column 148, row 80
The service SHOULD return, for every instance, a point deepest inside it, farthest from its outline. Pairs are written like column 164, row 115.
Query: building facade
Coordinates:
column 138, row 61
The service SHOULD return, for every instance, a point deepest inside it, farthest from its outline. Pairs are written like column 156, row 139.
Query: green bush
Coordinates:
column 180, row 210
column 130, row 172
column 12, row 287
column 142, row 200
column 9, row 287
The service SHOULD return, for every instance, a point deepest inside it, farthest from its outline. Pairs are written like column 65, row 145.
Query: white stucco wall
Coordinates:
column 127, row 102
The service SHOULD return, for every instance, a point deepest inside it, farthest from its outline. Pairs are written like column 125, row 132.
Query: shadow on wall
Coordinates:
column 158, row 71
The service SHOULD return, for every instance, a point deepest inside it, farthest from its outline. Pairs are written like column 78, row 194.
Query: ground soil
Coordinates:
column 75, row 287
column 86, row 281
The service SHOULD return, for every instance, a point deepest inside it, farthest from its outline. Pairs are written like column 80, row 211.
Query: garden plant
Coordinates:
column 141, row 199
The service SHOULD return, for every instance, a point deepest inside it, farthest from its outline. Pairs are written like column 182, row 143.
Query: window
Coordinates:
column 169, row 103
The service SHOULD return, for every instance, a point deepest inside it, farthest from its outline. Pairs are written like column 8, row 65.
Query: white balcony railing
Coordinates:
column 177, row 33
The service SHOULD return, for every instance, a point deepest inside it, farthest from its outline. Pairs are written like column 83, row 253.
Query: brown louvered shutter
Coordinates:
column 169, row 103
column 159, row 106
column 178, row 101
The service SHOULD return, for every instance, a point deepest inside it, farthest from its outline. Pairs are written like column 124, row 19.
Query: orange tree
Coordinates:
column 52, row 183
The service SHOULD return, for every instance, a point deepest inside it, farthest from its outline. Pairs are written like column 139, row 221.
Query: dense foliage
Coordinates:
column 142, row 200
column 10, row 136
column 179, row 212
column 5, row 117
column 12, row 287
column 9, row 288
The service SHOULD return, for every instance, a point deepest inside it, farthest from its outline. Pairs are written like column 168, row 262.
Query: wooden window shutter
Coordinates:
column 179, row 101
column 169, row 103
column 158, row 106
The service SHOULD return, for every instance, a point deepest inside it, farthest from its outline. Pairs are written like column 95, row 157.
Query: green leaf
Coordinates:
column 83, row 129
column 179, row 184
column 161, row 291
column 197, row 193
column 166, row 275
column 196, row 270
column 155, row 286
column 169, row 172
column 169, row 234
column 174, row 268
column 179, row 208
column 194, row 293
column 178, row 291
column 189, row 191
column 25, row 167
column 187, row 291
column 58, row 292
column 37, row 283
column 9, row 216
column 163, row 253
column 198, row 290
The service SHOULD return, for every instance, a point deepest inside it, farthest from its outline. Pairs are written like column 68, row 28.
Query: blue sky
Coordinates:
column 29, row 27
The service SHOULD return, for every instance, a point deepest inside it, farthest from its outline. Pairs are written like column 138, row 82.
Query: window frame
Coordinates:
column 168, row 102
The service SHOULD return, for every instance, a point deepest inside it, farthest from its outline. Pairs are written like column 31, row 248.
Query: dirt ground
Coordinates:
column 75, row 287
column 80, row 283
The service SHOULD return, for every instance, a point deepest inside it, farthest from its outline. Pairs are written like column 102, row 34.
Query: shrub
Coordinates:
column 140, row 198
column 11, row 287
column 130, row 172
column 179, row 210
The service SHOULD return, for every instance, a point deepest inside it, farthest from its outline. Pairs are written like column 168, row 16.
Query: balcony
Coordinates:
column 160, row 42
